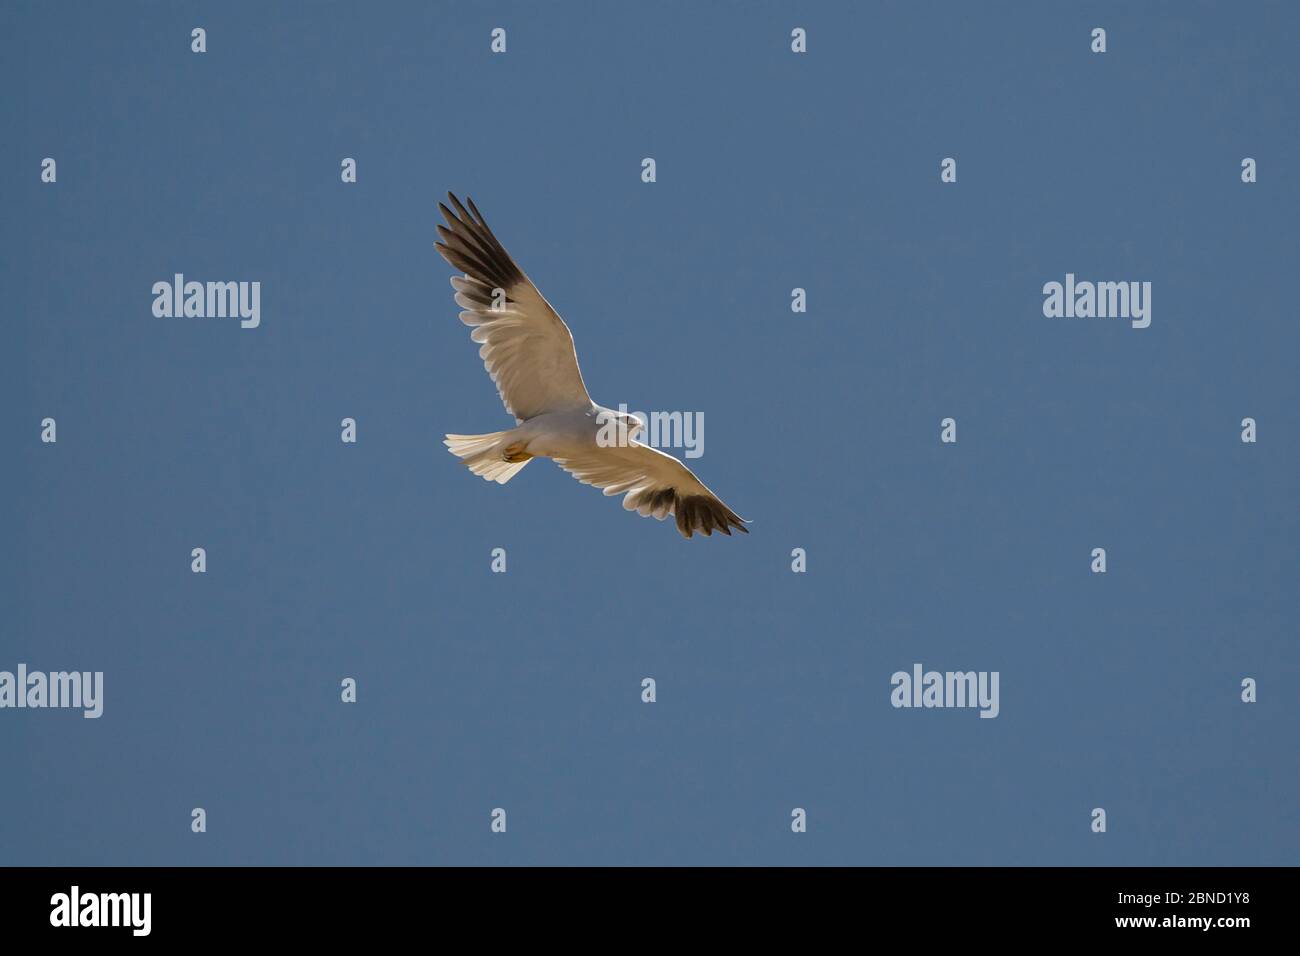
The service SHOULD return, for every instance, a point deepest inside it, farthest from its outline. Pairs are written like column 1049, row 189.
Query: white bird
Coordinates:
column 528, row 351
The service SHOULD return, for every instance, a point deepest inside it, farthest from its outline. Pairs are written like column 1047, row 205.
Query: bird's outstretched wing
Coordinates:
column 653, row 483
column 527, row 348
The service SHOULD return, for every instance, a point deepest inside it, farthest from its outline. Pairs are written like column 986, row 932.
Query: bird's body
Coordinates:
column 562, row 434
column 567, row 433
column 528, row 351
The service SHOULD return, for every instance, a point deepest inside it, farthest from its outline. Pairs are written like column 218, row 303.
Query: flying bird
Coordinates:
column 528, row 351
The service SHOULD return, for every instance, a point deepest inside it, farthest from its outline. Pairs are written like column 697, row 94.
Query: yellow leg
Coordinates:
column 515, row 453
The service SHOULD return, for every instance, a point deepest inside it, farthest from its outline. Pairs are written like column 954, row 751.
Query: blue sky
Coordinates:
column 522, row 690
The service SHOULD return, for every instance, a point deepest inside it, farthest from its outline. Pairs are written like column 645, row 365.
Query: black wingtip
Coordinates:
column 475, row 250
column 474, row 209
column 465, row 215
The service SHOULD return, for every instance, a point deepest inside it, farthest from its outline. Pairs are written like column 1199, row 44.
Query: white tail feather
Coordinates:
column 484, row 455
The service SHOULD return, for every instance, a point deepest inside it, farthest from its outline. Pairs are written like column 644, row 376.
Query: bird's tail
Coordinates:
column 493, row 456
